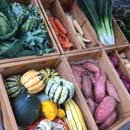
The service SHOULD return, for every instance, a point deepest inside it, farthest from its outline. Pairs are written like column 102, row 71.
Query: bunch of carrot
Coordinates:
column 61, row 33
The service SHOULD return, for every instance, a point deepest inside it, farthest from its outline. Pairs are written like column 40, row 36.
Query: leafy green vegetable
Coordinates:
column 99, row 13
column 8, row 25
column 29, row 37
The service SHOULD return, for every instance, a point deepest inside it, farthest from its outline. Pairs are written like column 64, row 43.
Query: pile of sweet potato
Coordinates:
column 100, row 94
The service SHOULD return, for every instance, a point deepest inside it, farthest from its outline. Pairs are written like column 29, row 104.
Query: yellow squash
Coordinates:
column 74, row 117
column 50, row 110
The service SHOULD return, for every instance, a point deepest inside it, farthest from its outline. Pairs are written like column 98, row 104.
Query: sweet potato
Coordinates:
column 105, row 109
column 93, row 80
column 99, row 88
column 111, row 90
column 77, row 67
column 91, row 105
column 93, row 68
column 110, row 120
column 86, row 87
column 77, row 75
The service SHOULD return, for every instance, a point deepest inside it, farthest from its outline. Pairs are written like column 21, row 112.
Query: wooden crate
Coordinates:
column 120, row 38
column 123, row 108
column 53, row 44
column 57, row 12
column 21, row 67
column 122, row 67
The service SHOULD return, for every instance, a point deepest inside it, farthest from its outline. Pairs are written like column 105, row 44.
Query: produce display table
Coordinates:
column 62, row 59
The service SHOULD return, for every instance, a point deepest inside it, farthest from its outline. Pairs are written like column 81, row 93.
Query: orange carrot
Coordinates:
column 60, row 26
column 61, row 33
column 51, row 19
column 65, row 43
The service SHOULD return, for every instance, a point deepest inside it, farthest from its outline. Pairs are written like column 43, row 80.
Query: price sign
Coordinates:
column 125, row 127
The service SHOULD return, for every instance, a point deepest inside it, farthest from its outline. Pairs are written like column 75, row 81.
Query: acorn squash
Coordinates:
column 13, row 86
column 49, row 73
column 26, row 108
column 33, row 81
column 59, row 90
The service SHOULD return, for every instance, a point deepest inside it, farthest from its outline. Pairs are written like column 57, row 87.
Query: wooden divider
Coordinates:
column 57, row 12
column 55, row 62
column 104, row 63
column 120, row 38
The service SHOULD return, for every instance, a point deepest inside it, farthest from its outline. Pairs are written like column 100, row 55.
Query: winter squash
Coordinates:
column 61, row 113
column 26, row 109
column 13, row 86
column 49, row 73
column 33, row 81
column 51, row 111
column 59, row 90
column 49, row 108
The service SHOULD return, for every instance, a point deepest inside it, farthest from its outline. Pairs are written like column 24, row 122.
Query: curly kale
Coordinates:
column 31, row 36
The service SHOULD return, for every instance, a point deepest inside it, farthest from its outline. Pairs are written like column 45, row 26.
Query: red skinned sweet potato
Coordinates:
column 105, row 109
column 91, row 105
column 93, row 80
column 77, row 75
column 99, row 88
column 92, row 68
column 111, row 90
column 77, row 67
column 86, row 87
column 110, row 120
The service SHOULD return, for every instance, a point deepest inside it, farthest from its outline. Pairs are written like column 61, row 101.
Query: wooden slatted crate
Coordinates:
column 103, row 61
column 56, row 11
column 21, row 67
column 120, row 38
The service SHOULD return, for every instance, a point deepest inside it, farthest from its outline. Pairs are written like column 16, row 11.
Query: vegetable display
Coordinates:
column 100, row 94
column 77, row 30
column 61, row 33
column 22, row 31
column 99, row 14
column 39, row 100
column 116, row 63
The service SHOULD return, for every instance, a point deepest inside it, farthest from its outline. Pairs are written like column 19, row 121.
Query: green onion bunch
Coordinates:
column 99, row 13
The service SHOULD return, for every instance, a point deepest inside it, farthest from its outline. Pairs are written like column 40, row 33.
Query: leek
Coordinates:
column 99, row 13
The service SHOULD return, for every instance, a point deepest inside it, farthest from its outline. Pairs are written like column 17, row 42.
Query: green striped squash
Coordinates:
column 49, row 73
column 13, row 86
column 59, row 90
